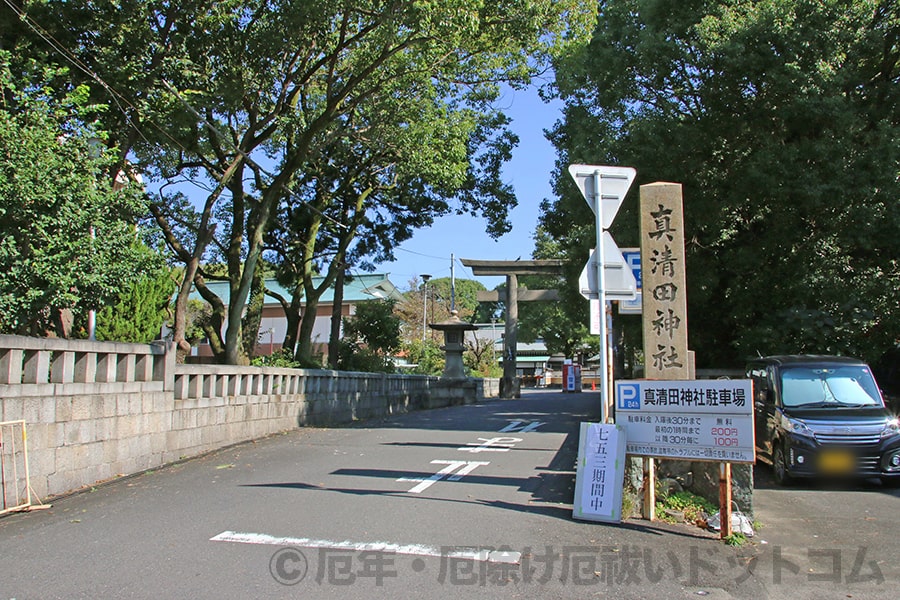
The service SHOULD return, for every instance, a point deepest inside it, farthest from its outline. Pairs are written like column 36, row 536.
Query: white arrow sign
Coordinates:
column 615, row 182
column 618, row 278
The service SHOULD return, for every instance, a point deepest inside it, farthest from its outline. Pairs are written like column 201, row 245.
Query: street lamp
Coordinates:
column 425, row 278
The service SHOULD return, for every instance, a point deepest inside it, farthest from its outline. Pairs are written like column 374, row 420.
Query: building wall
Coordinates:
column 97, row 410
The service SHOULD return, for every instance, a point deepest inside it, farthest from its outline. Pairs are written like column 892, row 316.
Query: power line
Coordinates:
column 116, row 97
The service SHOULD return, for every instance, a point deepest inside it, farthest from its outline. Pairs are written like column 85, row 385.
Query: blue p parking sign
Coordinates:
column 628, row 396
column 703, row 419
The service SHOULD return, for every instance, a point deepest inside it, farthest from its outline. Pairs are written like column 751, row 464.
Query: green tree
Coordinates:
column 371, row 337
column 67, row 238
column 426, row 355
column 562, row 325
column 780, row 119
column 411, row 311
column 365, row 197
column 466, row 296
column 210, row 93
column 480, row 358
column 140, row 309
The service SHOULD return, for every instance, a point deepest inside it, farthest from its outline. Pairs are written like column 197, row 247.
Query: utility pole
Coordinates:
column 425, row 278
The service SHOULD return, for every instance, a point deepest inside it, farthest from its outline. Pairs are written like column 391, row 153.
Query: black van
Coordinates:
column 822, row 416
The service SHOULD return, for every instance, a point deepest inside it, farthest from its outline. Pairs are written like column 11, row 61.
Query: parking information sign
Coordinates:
column 688, row 419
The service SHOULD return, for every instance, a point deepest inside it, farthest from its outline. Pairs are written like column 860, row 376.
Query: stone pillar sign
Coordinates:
column 664, row 298
column 664, row 282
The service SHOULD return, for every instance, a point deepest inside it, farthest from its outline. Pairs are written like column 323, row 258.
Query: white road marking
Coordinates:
column 465, row 467
column 454, row 552
column 496, row 444
column 521, row 427
column 470, row 466
column 532, row 426
column 452, row 465
column 513, row 425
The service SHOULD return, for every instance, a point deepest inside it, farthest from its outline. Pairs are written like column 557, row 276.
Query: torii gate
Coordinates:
column 511, row 269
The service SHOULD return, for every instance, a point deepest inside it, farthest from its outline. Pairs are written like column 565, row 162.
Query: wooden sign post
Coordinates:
column 665, row 314
column 664, row 302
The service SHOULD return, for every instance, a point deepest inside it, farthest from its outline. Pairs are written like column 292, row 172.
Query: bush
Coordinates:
column 283, row 359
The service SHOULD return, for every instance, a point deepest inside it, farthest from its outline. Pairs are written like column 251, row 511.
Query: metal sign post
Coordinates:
column 604, row 189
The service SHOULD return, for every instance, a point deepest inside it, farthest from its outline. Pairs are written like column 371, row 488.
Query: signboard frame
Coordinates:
column 600, row 468
column 697, row 420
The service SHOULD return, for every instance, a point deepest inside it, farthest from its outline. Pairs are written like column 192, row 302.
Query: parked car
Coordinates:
column 887, row 374
column 822, row 416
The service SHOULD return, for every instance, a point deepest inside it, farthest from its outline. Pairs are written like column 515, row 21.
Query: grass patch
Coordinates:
column 690, row 505
column 736, row 539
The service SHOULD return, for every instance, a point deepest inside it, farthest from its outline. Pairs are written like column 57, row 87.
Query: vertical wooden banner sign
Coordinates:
column 664, row 298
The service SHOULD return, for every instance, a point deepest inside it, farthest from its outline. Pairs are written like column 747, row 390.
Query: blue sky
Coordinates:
column 529, row 173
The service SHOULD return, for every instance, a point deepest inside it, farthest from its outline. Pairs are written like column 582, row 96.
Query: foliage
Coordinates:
column 370, row 339
column 139, row 311
column 562, row 336
column 414, row 308
column 365, row 200
column 480, row 358
column 375, row 325
column 736, row 538
column 691, row 505
column 426, row 355
column 563, row 325
column 67, row 238
column 248, row 101
column 198, row 321
column 354, row 357
column 466, row 296
column 780, row 119
column 283, row 359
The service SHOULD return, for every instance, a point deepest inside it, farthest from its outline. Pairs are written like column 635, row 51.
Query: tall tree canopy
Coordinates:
column 781, row 119
column 68, row 241
column 253, row 98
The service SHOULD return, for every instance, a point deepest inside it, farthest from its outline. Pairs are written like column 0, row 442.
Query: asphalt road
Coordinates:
column 471, row 501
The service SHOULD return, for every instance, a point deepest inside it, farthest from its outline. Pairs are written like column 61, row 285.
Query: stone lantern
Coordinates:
column 454, row 330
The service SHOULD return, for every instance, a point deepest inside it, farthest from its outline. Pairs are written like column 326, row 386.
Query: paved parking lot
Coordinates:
column 473, row 501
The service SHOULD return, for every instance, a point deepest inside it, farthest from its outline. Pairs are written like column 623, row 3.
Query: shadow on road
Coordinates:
column 555, row 410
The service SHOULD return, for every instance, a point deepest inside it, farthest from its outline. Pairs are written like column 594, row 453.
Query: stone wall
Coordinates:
column 96, row 410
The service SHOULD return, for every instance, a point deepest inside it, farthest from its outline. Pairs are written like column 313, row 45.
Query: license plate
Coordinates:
column 836, row 462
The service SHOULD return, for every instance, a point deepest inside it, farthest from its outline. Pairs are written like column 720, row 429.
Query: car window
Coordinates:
column 760, row 383
column 828, row 386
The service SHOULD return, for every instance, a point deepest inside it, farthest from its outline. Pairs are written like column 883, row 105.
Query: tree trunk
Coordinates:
column 181, row 301
column 307, row 324
column 336, row 318
column 253, row 316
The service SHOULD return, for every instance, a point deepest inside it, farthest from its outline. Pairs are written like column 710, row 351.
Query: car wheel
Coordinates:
column 779, row 467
